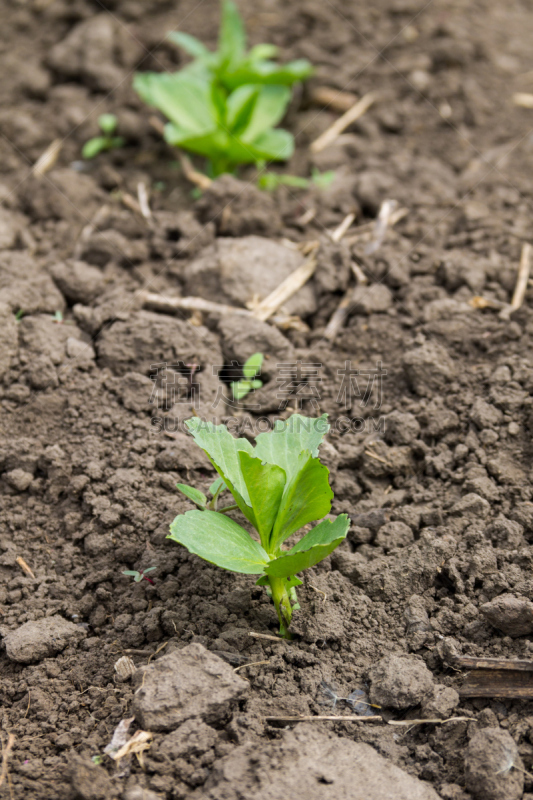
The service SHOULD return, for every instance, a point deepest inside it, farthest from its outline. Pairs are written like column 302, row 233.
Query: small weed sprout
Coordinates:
column 249, row 381
column 139, row 575
column 279, row 486
column 107, row 141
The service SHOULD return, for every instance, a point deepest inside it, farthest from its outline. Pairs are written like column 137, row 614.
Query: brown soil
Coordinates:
column 439, row 558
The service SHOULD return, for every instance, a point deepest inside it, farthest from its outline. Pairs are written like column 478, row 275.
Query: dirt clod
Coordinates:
column 43, row 638
column 186, row 684
column 490, row 757
column 313, row 765
column 399, row 682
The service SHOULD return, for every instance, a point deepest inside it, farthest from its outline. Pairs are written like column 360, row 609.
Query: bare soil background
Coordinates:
column 439, row 558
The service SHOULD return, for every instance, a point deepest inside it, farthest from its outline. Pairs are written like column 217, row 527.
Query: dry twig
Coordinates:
column 267, row 637
column 6, row 753
column 47, row 160
column 24, row 567
column 285, row 290
column 319, row 718
column 340, row 231
column 521, row 282
column 144, row 205
column 332, row 98
column 523, row 99
column 252, row 664
column 354, row 113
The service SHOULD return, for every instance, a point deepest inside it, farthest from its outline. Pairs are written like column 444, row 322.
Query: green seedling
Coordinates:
column 279, row 486
column 107, row 141
column 271, row 180
column 139, row 575
column 58, row 317
column 225, row 105
column 20, row 313
column 249, row 381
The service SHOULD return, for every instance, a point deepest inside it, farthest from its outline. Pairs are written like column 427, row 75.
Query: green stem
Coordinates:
column 282, row 604
column 228, row 508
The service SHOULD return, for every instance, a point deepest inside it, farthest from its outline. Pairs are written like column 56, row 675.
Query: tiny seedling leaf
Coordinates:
column 94, row 146
column 193, row 494
column 219, row 540
column 107, row 123
column 252, row 365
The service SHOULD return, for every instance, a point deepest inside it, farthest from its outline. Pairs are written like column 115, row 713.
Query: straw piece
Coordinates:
column 354, row 113
column 47, row 160
column 332, row 98
column 285, row 290
column 522, row 279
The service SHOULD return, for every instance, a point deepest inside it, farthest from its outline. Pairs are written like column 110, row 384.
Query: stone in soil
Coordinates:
column 313, row 765
column 191, row 683
column 43, row 638
column 490, row 757
column 400, row 682
column 510, row 614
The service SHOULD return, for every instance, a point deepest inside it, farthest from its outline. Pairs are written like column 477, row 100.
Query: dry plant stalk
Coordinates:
column 333, row 718
column 522, row 279
column 332, row 98
column 6, row 753
column 354, row 113
column 285, row 290
column 340, row 231
column 24, row 567
column 144, row 205
column 47, row 160
column 523, row 99
column 139, row 742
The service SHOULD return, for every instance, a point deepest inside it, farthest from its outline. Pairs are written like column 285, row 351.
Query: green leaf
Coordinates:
column 223, row 452
column 252, row 366
column 94, row 146
column 256, row 383
column 219, row 540
column 307, row 498
column 324, row 533
column 322, row 541
column 268, row 110
column 260, row 52
column 190, row 44
column 240, row 389
column 182, row 97
column 193, row 494
column 267, row 73
column 239, row 107
column 283, row 445
column 232, row 37
column 265, row 484
column 217, row 486
column 274, row 145
column 107, row 123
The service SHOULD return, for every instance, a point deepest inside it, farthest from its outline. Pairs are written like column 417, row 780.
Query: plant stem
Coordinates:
column 228, row 508
column 282, row 604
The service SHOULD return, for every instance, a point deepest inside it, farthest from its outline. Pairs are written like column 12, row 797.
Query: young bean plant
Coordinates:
column 225, row 104
column 279, row 486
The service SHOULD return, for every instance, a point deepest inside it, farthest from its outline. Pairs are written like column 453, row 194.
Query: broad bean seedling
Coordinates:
column 279, row 486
